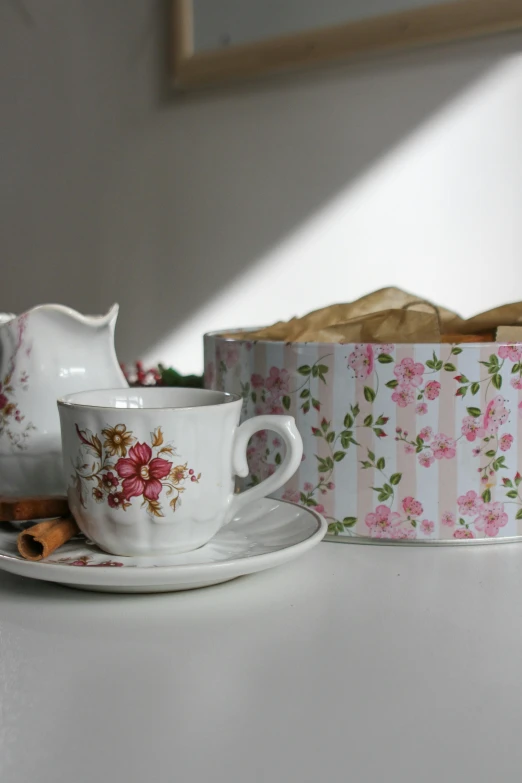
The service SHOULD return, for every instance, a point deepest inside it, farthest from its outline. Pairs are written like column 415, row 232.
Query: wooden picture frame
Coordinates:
column 429, row 25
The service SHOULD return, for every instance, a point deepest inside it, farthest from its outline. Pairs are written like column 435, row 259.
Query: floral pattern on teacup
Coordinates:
column 124, row 469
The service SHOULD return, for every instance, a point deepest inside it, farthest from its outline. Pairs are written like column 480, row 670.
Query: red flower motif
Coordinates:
column 115, row 499
column 110, row 480
column 3, row 401
column 141, row 474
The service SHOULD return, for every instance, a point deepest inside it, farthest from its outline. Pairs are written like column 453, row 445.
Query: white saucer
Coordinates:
column 265, row 534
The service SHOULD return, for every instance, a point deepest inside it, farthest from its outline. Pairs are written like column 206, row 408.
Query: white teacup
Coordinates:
column 152, row 470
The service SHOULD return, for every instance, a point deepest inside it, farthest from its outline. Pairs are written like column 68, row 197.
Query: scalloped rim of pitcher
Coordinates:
column 97, row 320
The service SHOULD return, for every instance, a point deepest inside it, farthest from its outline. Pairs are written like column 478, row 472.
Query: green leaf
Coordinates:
column 463, row 379
column 507, row 483
column 515, row 368
column 395, row 478
column 456, row 350
column 462, row 521
column 329, row 463
column 315, row 371
column 349, row 521
column 486, row 496
column 333, row 529
column 277, row 459
column 381, row 463
column 368, row 421
column 369, row 394
column 253, row 397
column 286, row 402
column 497, row 381
column 519, row 514
column 355, row 409
column 475, row 388
column 306, row 407
column 348, row 421
column 316, row 404
column 371, row 456
column 491, row 453
column 381, row 420
column 463, row 391
column 512, row 493
column 392, row 384
column 304, row 394
column 438, row 365
column 388, row 489
column 382, row 497
column 493, row 359
column 475, row 412
column 345, row 439
column 311, row 502
column 322, row 369
column 518, row 479
column 339, row 455
column 324, row 425
column 304, row 369
column 414, row 523
column 419, row 441
column 330, row 437
column 384, row 358
column 435, row 357
column 449, row 367
column 431, row 364
column 380, row 433
column 366, row 464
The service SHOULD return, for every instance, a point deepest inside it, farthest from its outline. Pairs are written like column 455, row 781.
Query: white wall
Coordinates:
column 245, row 206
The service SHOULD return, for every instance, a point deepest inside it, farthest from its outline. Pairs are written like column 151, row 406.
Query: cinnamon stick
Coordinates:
column 41, row 540
column 17, row 509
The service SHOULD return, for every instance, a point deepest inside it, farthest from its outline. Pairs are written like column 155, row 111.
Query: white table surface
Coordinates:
column 355, row 663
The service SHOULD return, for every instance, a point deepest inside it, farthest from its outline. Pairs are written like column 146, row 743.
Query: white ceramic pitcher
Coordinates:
column 45, row 353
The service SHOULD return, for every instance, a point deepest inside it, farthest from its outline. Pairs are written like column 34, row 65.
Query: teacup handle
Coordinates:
column 281, row 425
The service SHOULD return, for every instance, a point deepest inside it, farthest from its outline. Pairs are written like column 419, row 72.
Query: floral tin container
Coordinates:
column 410, row 443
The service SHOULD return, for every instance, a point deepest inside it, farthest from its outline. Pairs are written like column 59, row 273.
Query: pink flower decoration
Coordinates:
column 403, row 534
column 412, row 506
column 409, row 448
column 463, row 532
column 483, row 479
column 383, row 348
column 361, row 360
column 443, row 446
column 409, row 372
column 273, row 407
column 403, row 395
column 470, row 503
column 520, row 408
column 426, row 458
column 491, row 518
column 512, row 351
column 426, row 433
column 3, row 401
column 229, row 354
column 276, row 443
column 141, row 474
column 448, row 519
column 473, row 428
column 382, row 521
column 421, row 408
column 319, row 508
column 277, row 382
column 505, row 442
column 427, row 526
column 432, row 390
column 496, row 414
column 257, row 381
column 476, row 451
column 291, row 495
column 516, row 383
column 308, row 486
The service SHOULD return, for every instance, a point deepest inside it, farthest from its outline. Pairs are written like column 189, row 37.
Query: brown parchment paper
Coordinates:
column 391, row 315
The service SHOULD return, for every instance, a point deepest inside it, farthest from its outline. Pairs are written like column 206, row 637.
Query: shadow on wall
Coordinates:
column 116, row 190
